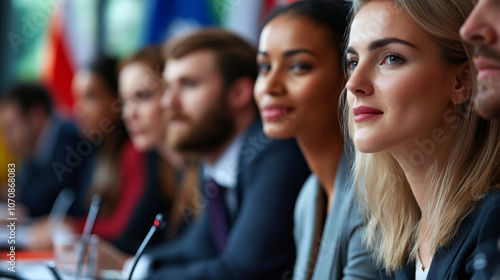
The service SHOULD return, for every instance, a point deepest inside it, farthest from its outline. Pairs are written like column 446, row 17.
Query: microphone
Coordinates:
column 60, row 209
column 54, row 271
column 158, row 223
column 87, row 231
column 59, row 212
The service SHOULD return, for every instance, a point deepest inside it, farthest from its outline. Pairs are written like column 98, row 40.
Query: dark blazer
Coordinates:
column 260, row 243
column 455, row 261
column 41, row 180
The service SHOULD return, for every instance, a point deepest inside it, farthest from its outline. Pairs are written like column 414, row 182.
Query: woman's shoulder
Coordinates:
column 311, row 185
column 305, row 218
column 489, row 203
column 485, row 216
column 307, row 194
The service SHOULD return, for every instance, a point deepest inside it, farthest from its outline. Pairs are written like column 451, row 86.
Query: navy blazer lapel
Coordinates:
column 444, row 257
column 249, row 152
column 408, row 273
column 342, row 195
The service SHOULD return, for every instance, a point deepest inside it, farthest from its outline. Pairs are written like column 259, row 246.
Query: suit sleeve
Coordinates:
column 41, row 181
column 359, row 266
column 260, row 245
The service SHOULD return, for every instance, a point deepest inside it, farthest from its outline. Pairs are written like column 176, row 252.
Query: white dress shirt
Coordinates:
column 420, row 273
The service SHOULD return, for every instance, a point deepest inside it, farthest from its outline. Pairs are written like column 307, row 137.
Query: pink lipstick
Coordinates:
column 363, row 113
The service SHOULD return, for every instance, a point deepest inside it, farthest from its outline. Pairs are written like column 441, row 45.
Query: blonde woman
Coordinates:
column 427, row 167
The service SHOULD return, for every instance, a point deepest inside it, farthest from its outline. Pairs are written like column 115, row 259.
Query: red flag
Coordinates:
column 57, row 67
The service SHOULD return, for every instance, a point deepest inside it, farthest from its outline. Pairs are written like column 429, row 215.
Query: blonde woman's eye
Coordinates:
column 350, row 65
column 392, row 59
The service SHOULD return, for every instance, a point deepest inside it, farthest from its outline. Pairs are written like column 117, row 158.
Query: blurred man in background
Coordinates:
column 52, row 153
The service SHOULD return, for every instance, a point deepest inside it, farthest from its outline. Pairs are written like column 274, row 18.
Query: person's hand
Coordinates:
column 109, row 257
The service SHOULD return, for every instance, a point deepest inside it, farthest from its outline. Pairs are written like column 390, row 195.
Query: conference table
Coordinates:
column 33, row 265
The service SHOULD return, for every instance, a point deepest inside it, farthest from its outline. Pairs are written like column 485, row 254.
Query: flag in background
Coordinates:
column 80, row 18
column 240, row 16
column 70, row 37
column 171, row 18
column 57, row 66
column 120, row 31
column 245, row 17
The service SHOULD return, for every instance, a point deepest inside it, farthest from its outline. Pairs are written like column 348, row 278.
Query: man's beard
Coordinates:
column 211, row 132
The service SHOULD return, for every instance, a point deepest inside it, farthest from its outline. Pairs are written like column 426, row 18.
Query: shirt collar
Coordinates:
column 225, row 170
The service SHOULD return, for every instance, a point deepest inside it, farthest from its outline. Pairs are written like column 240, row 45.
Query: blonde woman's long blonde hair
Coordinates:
column 396, row 226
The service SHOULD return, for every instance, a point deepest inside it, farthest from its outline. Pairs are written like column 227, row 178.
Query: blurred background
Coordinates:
column 47, row 40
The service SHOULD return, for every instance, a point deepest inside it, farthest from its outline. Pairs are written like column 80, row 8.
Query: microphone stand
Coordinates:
column 158, row 223
column 87, row 231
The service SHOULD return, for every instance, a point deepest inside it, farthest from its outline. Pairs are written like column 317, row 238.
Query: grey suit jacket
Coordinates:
column 338, row 237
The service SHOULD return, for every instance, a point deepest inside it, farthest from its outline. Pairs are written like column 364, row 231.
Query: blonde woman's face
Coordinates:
column 141, row 89
column 399, row 87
